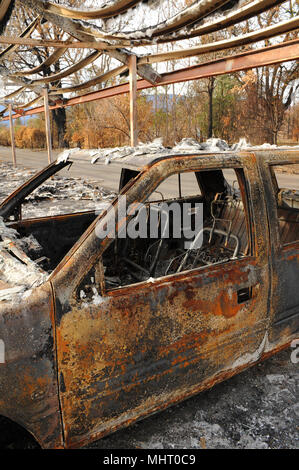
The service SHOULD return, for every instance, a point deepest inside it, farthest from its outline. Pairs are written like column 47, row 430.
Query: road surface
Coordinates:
column 108, row 175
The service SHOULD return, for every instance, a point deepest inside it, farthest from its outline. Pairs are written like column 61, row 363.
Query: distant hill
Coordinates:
column 161, row 100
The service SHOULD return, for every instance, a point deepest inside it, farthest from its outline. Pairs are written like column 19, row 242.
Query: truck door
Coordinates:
column 281, row 176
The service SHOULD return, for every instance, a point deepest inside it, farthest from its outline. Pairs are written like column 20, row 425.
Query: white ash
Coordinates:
column 7, row 232
column 119, row 152
column 64, row 156
column 185, row 146
column 30, row 245
column 15, row 273
column 18, row 272
column 244, row 145
column 12, row 178
column 143, row 14
column 215, row 145
column 82, row 294
column 97, row 299
column 60, row 188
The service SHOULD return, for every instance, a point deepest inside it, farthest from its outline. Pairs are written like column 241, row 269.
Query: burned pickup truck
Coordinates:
column 100, row 330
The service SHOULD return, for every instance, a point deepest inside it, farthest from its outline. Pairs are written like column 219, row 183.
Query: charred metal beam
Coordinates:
column 6, row 7
column 89, row 83
column 77, row 29
column 66, row 72
column 52, row 59
column 27, row 31
column 254, row 36
column 113, row 8
column 22, row 81
column 25, row 41
column 231, row 18
column 257, row 58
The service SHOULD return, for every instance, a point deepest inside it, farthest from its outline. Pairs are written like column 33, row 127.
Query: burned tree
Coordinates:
column 28, row 58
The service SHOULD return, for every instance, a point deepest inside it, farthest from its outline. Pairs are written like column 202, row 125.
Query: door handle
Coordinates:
column 244, row 294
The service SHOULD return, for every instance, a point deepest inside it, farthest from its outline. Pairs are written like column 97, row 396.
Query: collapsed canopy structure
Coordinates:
column 90, row 29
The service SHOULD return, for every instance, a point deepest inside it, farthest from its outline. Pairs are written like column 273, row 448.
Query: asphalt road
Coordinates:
column 108, row 175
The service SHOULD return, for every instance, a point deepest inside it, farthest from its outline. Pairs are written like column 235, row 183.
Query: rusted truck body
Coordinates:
column 121, row 329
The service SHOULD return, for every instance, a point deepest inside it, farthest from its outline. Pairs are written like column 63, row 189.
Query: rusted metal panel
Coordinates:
column 154, row 345
column 28, row 379
column 284, row 263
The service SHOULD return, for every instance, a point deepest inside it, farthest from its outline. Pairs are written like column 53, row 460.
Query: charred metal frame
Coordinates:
column 258, row 58
column 64, row 18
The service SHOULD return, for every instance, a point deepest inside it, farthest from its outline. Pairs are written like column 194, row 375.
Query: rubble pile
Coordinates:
column 185, row 146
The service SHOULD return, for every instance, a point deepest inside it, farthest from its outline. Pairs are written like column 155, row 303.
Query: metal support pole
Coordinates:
column 275, row 54
column 12, row 136
column 133, row 100
column 48, row 126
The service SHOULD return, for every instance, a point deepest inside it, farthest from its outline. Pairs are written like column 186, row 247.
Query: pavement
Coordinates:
column 38, row 159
